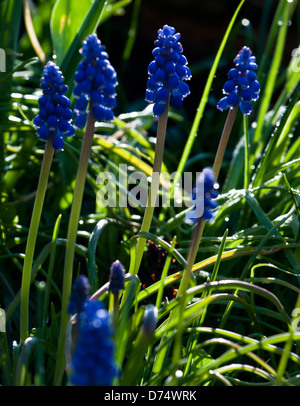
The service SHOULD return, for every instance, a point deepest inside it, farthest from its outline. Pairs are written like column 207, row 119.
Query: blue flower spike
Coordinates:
column 79, row 295
column 204, row 193
column 55, row 115
column 168, row 72
column 95, row 80
column 93, row 362
column 116, row 277
column 242, row 86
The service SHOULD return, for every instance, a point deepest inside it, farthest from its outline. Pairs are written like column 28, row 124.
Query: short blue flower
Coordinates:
column 55, row 115
column 116, row 277
column 242, row 86
column 167, row 72
column 205, row 191
column 95, row 82
column 93, row 362
column 79, row 295
column 150, row 320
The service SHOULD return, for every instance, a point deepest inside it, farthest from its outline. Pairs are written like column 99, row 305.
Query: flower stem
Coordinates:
column 184, row 285
column 224, row 140
column 115, row 309
column 31, row 240
column 153, row 192
column 71, row 241
column 247, row 168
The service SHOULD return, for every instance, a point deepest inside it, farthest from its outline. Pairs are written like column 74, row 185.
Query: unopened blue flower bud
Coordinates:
column 54, row 116
column 167, row 72
column 95, row 81
column 79, row 295
column 204, row 193
column 242, row 87
column 116, row 277
column 150, row 320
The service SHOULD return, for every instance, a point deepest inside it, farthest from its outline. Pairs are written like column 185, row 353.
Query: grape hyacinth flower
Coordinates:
column 116, row 277
column 207, row 189
column 242, row 86
column 53, row 123
column 116, row 282
column 134, row 367
column 79, row 295
column 92, row 362
column 55, row 115
column 95, row 81
column 167, row 72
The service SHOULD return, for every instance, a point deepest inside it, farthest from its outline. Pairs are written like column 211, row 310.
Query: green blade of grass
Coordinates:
column 66, row 19
column 265, row 343
column 124, row 326
column 272, row 151
column 19, row 67
column 45, row 252
column 259, row 138
column 50, row 268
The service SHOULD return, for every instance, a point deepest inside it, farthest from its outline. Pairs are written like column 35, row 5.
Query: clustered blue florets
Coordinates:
column 167, row 72
column 55, row 114
column 205, row 191
column 242, row 86
column 79, row 295
column 116, row 277
column 93, row 359
column 96, row 81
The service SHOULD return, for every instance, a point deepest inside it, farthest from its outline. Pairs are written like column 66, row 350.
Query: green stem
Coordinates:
column 247, row 146
column 198, row 234
column 50, row 270
column 116, row 310
column 224, row 140
column 184, row 285
column 31, row 240
column 193, row 338
column 153, row 192
column 71, row 240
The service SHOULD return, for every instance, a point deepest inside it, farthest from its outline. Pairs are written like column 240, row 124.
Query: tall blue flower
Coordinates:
column 93, row 363
column 204, row 193
column 116, row 277
column 55, row 115
column 167, row 72
column 95, row 82
column 242, row 86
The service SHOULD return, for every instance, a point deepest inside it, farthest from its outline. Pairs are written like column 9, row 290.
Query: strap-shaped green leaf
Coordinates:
column 66, row 19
